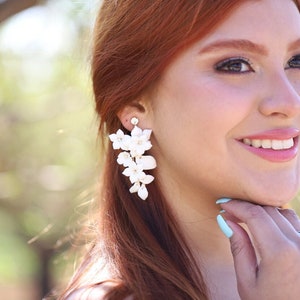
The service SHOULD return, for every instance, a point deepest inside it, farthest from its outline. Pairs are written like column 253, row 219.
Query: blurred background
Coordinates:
column 48, row 147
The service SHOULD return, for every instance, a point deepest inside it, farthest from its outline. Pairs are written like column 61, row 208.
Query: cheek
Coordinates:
column 201, row 107
column 221, row 106
column 294, row 78
column 198, row 116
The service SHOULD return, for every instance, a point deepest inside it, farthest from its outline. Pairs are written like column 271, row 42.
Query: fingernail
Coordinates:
column 224, row 227
column 223, row 200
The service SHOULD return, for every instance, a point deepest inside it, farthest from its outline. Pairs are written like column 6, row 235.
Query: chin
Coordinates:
column 277, row 190
column 276, row 198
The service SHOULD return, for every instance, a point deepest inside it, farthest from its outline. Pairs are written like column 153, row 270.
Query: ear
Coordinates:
column 137, row 109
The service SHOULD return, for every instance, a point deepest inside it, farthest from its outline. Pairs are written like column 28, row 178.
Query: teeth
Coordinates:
column 277, row 145
column 270, row 144
column 247, row 142
column 288, row 143
column 256, row 143
column 266, row 144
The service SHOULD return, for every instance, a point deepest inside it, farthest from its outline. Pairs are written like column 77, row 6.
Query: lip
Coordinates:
column 271, row 155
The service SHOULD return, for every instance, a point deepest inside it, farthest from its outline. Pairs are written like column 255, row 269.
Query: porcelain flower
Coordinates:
column 132, row 157
column 125, row 159
column 140, row 187
column 134, row 172
column 139, row 142
column 119, row 140
column 147, row 161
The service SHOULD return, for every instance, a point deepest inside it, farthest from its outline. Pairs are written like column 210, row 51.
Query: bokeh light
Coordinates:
column 49, row 153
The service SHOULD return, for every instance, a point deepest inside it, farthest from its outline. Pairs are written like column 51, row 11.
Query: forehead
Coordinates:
column 258, row 17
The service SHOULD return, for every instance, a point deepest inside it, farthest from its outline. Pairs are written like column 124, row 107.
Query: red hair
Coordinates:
column 135, row 40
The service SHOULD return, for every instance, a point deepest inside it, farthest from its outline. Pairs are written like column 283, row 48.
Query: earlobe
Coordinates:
column 135, row 109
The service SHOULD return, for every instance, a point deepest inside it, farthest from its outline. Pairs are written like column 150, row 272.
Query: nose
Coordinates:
column 282, row 98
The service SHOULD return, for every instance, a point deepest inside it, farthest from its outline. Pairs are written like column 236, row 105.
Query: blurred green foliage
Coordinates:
column 48, row 148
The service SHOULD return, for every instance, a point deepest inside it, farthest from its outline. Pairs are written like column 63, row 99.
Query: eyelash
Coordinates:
column 235, row 62
column 240, row 62
column 296, row 65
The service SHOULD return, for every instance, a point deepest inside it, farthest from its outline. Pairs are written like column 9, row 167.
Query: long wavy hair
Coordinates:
column 139, row 242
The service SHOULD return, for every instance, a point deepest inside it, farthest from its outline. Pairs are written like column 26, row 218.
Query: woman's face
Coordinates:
column 226, row 113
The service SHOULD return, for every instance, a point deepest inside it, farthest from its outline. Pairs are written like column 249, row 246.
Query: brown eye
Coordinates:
column 294, row 62
column 234, row 65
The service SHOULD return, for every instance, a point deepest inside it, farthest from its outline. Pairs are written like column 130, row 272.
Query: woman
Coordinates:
column 217, row 82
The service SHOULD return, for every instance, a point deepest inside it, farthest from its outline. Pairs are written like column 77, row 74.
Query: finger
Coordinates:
column 245, row 261
column 230, row 217
column 283, row 222
column 265, row 232
column 292, row 217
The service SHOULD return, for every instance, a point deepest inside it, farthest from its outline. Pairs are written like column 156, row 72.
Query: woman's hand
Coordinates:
column 267, row 265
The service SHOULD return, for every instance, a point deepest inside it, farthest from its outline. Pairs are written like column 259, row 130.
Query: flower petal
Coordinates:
column 127, row 172
column 147, row 145
column 133, row 178
column 136, row 131
column 135, row 187
column 147, row 179
column 120, row 133
column 148, row 162
column 112, row 136
column 124, row 159
column 126, row 140
column 147, row 133
column 136, row 176
column 143, row 192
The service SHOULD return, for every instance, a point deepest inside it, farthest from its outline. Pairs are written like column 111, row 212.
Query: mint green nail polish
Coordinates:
column 224, row 227
column 223, row 200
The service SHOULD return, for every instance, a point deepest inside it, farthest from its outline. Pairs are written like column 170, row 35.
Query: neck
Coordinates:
column 196, row 214
column 200, row 229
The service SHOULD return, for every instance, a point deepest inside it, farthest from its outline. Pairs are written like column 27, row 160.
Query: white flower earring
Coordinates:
column 132, row 157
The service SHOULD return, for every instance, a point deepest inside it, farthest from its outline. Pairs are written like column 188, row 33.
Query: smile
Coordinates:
column 276, row 145
column 270, row 144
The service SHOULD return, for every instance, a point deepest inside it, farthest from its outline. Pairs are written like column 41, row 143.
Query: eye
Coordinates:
column 294, row 62
column 234, row 65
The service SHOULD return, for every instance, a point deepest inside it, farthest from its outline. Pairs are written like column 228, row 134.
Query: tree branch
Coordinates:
column 9, row 8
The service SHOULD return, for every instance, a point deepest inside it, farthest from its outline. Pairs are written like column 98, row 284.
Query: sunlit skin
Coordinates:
column 201, row 108
column 241, row 81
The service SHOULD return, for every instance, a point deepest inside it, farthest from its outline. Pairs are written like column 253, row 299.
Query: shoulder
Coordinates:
column 95, row 292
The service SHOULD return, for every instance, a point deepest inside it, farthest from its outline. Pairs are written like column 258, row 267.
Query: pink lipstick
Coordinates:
column 276, row 145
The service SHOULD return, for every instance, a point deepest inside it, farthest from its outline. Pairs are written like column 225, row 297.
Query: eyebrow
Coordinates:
column 245, row 45
column 294, row 45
